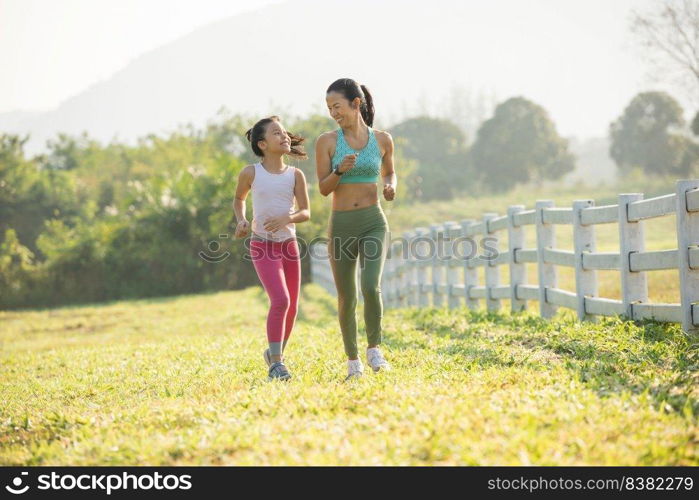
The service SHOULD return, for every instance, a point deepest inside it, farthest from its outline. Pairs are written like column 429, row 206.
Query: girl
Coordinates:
column 348, row 162
column 273, row 246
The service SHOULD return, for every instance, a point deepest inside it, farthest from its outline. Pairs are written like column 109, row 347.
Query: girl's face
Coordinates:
column 276, row 140
column 341, row 109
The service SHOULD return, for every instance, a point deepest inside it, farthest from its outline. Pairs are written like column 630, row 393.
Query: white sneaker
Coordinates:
column 355, row 369
column 376, row 360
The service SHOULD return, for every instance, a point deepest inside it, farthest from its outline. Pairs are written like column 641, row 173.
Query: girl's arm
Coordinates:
column 245, row 179
column 327, row 180
column 303, row 213
column 388, row 173
column 301, row 193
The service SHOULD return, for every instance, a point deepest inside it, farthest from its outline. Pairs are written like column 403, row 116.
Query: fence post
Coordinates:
column 545, row 238
column 409, row 262
column 492, row 273
column 518, row 271
column 583, row 242
column 634, row 285
column 687, row 236
column 420, row 242
column 470, row 273
column 452, row 230
column 437, row 233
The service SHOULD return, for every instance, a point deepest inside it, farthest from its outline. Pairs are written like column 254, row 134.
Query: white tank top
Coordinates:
column 273, row 195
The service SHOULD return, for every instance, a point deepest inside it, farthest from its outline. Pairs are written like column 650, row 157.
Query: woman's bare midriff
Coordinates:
column 354, row 196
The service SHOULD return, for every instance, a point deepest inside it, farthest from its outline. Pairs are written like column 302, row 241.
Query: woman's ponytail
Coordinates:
column 367, row 107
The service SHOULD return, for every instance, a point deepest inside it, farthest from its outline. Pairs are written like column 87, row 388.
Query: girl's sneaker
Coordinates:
column 278, row 371
column 355, row 369
column 376, row 360
column 268, row 357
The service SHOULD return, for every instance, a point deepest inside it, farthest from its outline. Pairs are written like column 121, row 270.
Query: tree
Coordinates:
column 647, row 135
column 695, row 124
column 519, row 144
column 65, row 152
column 671, row 33
column 27, row 195
column 16, row 264
column 438, row 147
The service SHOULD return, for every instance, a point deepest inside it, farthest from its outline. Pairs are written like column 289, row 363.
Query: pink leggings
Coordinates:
column 278, row 266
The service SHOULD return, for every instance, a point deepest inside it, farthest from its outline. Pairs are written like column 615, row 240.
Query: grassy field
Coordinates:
column 182, row 381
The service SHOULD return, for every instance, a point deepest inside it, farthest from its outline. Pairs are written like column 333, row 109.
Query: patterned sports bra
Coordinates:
column 367, row 165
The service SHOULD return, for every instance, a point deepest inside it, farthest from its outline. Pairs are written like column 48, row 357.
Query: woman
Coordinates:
column 273, row 246
column 349, row 161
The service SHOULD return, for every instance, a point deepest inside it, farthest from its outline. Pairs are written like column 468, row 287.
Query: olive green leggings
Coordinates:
column 358, row 235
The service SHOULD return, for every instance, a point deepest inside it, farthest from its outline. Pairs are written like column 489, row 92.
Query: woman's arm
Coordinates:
column 388, row 173
column 245, row 179
column 303, row 213
column 327, row 180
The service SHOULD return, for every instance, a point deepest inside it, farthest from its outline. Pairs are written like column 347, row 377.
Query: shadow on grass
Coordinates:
column 610, row 356
column 164, row 299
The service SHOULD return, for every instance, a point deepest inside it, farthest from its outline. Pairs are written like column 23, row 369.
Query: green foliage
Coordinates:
column 29, row 195
column 16, row 267
column 110, row 221
column 438, row 148
column 66, row 152
column 116, row 221
column 519, row 144
column 695, row 124
column 647, row 135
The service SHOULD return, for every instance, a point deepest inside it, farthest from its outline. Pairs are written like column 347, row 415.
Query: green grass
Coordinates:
column 182, row 381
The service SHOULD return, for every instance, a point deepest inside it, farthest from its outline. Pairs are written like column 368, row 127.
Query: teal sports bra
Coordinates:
column 367, row 165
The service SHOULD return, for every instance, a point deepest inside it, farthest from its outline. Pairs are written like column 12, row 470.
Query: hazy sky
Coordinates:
column 576, row 57
column 53, row 49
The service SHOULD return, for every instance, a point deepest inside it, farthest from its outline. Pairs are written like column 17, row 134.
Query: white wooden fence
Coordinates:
column 454, row 276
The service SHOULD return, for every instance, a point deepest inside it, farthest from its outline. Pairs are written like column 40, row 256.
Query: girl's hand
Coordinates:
column 242, row 229
column 347, row 163
column 389, row 192
column 274, row 224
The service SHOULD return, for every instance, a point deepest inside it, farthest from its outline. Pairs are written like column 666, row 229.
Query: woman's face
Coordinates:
column 340, row 108
column 276, row 139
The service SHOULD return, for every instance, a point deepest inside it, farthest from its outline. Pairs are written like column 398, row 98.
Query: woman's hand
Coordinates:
column 389, row 192
column 347, row 163
column 274, row 224
column 242, row 229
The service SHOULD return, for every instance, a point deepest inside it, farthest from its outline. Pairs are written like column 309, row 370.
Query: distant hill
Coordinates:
column 281, row 58
column 278, row 58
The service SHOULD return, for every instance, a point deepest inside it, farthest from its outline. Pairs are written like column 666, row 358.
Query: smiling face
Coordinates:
column 276, row 140
column 341, row 109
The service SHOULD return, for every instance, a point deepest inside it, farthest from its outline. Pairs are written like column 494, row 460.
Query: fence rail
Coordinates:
column 454, row 278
